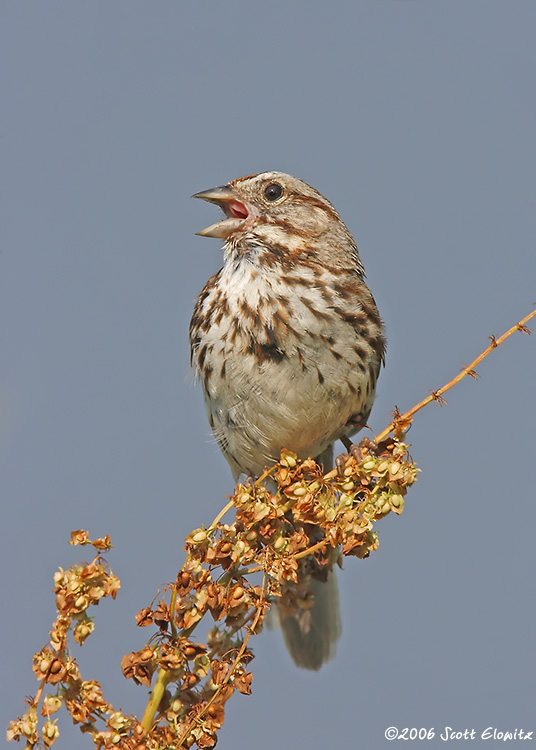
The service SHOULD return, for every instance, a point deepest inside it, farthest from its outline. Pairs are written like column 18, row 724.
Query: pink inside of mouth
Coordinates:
column 237, row 210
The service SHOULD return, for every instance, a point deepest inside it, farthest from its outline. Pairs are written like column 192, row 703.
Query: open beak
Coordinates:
column 235, row 211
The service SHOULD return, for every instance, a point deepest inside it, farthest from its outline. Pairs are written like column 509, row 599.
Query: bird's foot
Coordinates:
column 358, row 452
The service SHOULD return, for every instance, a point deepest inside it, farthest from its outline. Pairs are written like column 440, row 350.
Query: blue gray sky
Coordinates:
column 417, row 120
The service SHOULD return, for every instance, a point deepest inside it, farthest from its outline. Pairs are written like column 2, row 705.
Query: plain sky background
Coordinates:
column 417, row 119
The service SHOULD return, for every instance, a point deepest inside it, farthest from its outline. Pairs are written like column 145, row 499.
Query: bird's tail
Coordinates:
column 311, row 633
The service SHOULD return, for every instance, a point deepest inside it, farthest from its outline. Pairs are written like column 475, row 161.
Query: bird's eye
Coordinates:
column 273, row 191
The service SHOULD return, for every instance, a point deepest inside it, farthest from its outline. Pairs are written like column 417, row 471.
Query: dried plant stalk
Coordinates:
column 291, row 536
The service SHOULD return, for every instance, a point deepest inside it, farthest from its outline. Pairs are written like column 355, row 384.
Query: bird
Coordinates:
column 288, row 343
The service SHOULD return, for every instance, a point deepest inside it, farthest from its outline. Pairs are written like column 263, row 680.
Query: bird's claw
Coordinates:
column 340, row 463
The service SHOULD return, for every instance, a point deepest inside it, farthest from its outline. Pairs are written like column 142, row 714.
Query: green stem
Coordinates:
column 157, row 694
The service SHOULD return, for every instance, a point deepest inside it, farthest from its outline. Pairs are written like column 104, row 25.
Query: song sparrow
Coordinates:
column 288, row 343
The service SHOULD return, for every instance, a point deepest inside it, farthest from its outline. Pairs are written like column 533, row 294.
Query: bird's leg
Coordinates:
column 249, row 482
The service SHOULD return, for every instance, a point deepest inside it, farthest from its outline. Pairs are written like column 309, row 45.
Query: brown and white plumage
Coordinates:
column 288, row 343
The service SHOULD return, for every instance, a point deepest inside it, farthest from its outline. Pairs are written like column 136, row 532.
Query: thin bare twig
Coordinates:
column 469, row 370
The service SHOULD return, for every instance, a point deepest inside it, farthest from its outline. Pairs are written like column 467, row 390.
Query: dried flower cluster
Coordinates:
column 281, row 538
column 76, row 589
